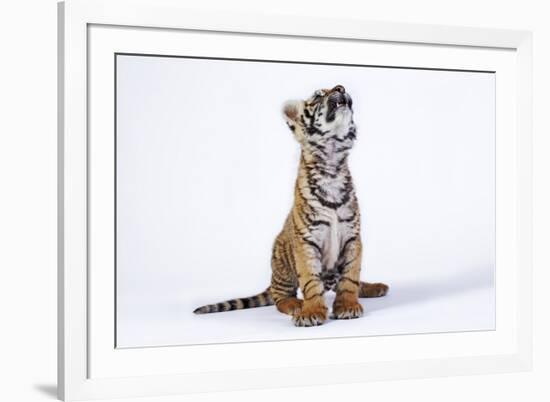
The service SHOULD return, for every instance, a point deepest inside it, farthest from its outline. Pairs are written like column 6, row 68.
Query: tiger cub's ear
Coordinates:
column 292, row 110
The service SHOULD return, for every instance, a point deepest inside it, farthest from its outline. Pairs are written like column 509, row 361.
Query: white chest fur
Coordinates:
column 331, row 243
column 333, row 236
column 329, row 237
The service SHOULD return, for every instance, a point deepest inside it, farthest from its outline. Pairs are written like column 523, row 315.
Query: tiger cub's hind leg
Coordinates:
column 284, row 284
column 290, row 305
column 285, row 298
column 367, row 289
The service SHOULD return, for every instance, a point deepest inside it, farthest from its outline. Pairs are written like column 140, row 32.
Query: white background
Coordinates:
column 28, row 203
column 205, row 177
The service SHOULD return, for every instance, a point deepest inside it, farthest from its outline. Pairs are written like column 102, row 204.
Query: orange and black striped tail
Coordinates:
column 259, row 300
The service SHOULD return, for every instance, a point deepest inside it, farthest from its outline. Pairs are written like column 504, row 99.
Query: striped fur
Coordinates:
column 259, row 300
column 319, row 247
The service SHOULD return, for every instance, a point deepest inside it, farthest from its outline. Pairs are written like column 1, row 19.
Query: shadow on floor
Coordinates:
column 412, row 292
column 47, row 389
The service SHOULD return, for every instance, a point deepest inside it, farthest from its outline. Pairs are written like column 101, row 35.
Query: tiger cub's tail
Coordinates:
column 259, row 300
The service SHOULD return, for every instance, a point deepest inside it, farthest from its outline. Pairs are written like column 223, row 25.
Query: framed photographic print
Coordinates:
column 258, row 201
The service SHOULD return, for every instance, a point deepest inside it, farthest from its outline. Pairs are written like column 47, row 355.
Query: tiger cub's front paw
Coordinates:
column 346, row 309
column 310, row 316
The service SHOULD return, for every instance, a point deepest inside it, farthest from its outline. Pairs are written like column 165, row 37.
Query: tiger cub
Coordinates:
column 319, row 247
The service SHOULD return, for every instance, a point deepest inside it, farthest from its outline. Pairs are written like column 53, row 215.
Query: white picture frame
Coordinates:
column 91, row 367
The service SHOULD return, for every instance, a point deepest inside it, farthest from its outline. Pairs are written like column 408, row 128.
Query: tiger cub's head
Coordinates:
column 325, row 119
